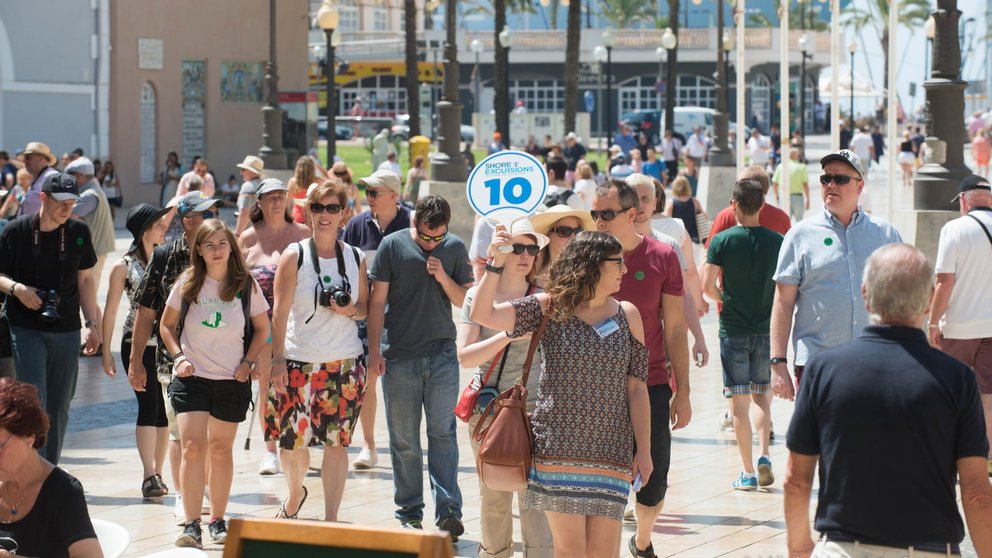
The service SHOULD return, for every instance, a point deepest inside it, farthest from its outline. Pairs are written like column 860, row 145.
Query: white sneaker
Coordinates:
column 178, row 510
column 269, row 465
column 366, row 459
column 725, row 421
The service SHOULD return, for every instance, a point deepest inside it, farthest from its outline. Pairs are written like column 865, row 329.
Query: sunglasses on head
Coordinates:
column 606, row 214
column 531, row 249
column 838, row 179
column 427, row 238
column 332, row 208
column 566, row 232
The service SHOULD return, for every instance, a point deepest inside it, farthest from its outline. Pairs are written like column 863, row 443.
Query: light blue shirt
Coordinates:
column 826, row 261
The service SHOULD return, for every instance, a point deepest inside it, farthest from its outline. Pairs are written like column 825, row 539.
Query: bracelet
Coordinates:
column 179, row 359
column 278, row 361
column 494, row 269
column 778, row 360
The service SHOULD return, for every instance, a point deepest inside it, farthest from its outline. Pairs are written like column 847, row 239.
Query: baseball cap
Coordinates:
column 61, row 187
column 382, row 179
column 81, row 165
column 193, row 202
column 846, row 156
column 973, row 182
column 271, row 185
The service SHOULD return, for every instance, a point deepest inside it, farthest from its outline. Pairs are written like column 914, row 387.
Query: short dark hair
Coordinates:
column 78, row 152
column 594, row 166
column 4, row 156
column 558, row 166
column 749, row 196
column 433, row 211
column 627, row 194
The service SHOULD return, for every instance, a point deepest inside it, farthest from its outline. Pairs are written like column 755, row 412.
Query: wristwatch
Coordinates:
column 251, row 363
column 778, row 360
column 494, row 269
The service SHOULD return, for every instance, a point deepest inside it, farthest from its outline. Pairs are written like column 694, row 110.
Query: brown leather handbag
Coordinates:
column 506, row 441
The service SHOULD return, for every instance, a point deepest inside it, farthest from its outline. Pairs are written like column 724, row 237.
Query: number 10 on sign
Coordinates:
column 515, row 190
column 506, row 186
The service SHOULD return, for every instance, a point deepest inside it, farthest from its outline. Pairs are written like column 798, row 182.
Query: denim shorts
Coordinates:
column 746, row 366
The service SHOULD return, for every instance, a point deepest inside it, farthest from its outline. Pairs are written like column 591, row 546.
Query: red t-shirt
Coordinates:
column 769, row 217
column 652, row 270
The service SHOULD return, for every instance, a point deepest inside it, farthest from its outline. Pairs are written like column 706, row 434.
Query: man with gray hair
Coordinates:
column 883, row 414
column 94, row 210
column 961, row 315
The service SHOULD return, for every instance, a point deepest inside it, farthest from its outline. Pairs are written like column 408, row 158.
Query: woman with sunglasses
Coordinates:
column 272, row 230
column 318, row 377
column 560, row 223
column 304, row 175
column 341, row 171
column 502, row 359
column 592, row 401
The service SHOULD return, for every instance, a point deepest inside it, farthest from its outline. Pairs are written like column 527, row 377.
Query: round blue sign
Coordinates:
column 506, row 186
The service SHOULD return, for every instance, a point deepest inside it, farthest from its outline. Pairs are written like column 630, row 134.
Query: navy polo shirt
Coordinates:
column 889, row 417
column 362, row 232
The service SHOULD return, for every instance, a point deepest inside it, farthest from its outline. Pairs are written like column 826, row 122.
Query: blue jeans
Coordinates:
column 746, row 363
column 50, row 362
column 409, row 385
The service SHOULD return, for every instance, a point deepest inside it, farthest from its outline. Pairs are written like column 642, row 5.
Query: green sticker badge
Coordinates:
column 639, row 275
column 828, row 241
column 79, row 241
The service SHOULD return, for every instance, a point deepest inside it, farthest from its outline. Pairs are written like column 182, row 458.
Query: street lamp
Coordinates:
column 669, row 42
column 720, row 155
column 727, row 43
column 506, row 41
column 609, row 39
column 852, row 47
column 661, row 55
column 599, row 55
column 930, row 29
column 327, row 19
column 271, row 152
column 803, row 41
column 476, row 47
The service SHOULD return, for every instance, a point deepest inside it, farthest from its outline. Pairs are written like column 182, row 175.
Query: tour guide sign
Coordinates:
column 507, row 186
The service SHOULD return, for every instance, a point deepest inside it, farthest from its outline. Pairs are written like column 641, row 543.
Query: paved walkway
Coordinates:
column 703, row 516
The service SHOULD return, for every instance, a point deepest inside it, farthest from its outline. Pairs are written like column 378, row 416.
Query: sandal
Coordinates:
column 150, row 488
column 161, row 484
column 283, row 514
column 638, row 553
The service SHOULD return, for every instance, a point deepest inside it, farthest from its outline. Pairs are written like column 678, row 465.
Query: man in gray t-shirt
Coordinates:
column 417, row 274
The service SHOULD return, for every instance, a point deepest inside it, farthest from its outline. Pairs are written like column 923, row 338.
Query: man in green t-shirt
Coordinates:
column 798, row 185
column 746, row 256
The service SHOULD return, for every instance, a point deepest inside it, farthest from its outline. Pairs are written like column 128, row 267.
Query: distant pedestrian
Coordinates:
column 169, row 177
column 251, row 175
column 40, row 162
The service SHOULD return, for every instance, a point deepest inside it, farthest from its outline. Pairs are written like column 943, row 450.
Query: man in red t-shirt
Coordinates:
column 653, row 283
column 770, row 216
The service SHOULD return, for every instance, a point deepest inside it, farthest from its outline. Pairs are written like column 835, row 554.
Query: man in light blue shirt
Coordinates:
column 819, row 271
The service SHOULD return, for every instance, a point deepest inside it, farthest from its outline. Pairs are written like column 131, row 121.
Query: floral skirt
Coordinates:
column 320, row 406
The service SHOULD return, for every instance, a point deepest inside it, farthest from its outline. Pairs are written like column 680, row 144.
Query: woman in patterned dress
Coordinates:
column 592, row 401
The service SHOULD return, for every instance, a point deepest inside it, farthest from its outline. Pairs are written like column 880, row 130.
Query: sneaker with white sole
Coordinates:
column 366, row 459
column 765, row 475
column 191, row 537
column 218, row 530
column 269, row 465
column 725, row 421
column 746, row 483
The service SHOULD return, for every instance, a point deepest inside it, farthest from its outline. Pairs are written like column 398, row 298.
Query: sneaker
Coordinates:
column 191, row 537
column 453, row 526
column 725, row 421
column 366, row 459
column 628, row 514
column 218, row 530
column 636, row 553
column 412, row 524
column 765, row 475
column 746, row 483
column 178, row 510
column 269, row 465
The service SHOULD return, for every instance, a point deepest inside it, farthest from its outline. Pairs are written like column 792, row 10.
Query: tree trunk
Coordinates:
column 574, row 34
column 412, row 81
column 501, row 101
column 671, row 73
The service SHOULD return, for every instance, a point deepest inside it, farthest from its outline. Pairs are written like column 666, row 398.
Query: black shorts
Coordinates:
column 225, row 400
column 654, row 491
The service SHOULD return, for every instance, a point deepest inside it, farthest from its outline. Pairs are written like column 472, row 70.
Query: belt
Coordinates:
column 943, row 548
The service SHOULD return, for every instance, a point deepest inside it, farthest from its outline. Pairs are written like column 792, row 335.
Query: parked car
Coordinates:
column 340, row 132
column 401, row 130
column 686, row 119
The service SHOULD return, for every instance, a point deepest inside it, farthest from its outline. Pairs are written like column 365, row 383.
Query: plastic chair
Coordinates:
column 113, row 538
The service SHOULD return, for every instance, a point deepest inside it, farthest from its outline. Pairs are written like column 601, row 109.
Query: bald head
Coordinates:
column 897, row 284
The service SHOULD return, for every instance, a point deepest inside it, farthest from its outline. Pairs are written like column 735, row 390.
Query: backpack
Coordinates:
column 558, row 198
column 249, row 331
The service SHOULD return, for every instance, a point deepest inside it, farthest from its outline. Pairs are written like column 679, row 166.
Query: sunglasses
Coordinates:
column 606, row 214
column 838, row 179
column 332, row 208
column 619, row 261
column 566, row 232
column 204, row 214
column 531, row 249
column 373, row 194
column 438, row 238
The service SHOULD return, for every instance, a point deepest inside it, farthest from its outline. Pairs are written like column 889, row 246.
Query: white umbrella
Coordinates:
column 862, row 86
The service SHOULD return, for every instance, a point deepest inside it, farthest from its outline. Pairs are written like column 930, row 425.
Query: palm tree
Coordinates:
column 412, row 81
column 572, row 39
column 624, row 14
column 912, row 14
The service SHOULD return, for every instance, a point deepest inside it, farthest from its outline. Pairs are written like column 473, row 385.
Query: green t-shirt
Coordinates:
column 747, row 257
column 797, row 176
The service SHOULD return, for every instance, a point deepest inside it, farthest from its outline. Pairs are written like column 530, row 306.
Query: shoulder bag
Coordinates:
column 506, row 442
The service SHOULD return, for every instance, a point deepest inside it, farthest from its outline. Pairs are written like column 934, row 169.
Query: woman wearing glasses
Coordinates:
column 592, row 402
column 499, row 361
column 318, row 378
column 560, row 223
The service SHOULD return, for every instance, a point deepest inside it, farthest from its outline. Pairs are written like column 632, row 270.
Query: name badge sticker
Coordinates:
column 606, row 328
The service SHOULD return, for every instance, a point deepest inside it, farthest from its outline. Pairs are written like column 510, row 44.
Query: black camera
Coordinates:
column 340, row 296
column 49, row 305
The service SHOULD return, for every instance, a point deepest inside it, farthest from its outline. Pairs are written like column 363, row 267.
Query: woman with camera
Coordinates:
column 42, row 508
column 499, row 361
column 215, row 326
column 592, row 402
column 318, row 377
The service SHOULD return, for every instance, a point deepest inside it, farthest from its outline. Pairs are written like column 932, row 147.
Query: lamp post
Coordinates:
column 660, row 55
column 803, row 40
column 669, row 42
column 609, row 39
column 447, row 164
column 271, row 151
column 852, row 47
column 327, row 19
column 720, row 155
column 599, row 55
column 477, row 47
column 930, row 29
column 506, row 41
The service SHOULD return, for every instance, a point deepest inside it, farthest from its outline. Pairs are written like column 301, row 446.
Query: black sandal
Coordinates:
column 283, row 514
column 150, row 488
column 635, row 552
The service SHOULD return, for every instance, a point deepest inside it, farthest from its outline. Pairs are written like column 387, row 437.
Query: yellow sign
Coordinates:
column 355, row 71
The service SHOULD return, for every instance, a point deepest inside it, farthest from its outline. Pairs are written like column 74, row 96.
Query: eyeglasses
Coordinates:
column 531, row 249
column 566, row 232
column 838, row 179
column 606, row 214
column 426, row 238
column 332, row 208
column 619, row 261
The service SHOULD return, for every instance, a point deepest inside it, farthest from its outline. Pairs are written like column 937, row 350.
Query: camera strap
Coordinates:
column 315, row 260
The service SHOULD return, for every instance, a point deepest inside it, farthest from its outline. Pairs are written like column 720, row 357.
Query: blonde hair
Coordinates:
column 680, row 186
column 583, row 170
column 304, row 174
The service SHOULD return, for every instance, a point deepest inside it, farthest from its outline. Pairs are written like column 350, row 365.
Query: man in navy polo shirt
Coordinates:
column 893, row 423
column 366, row 230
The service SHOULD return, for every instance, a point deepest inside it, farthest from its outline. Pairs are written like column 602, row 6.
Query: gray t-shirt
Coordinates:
column 418, row 312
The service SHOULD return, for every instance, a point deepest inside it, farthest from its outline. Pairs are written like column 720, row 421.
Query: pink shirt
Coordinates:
column 652, row 271
column 980, row 148
column 208, row 184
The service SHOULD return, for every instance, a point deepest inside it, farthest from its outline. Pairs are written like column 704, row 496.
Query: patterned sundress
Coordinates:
column 583, row 436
